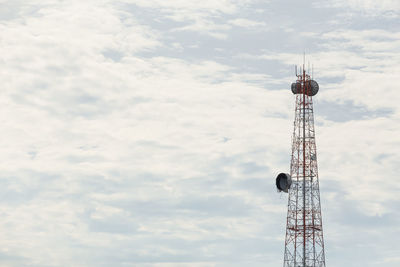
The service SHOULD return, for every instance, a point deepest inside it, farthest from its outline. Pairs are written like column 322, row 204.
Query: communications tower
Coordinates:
column 304, row 242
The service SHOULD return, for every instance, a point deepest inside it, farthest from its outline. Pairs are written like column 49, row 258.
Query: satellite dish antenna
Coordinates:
column 283, row 182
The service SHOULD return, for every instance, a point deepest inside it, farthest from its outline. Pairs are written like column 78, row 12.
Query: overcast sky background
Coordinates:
column 150, row 132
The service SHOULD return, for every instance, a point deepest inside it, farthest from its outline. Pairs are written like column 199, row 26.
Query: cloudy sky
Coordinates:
column 149, row 132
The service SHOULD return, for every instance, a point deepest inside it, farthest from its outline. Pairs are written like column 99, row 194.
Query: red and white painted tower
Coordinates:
column 304, row 242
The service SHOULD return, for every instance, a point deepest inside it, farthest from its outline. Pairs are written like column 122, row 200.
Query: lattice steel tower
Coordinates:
column 304, row 242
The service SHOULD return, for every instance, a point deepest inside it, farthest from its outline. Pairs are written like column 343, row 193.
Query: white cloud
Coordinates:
column 204, row 17
column 224, row 6
column 367, row 7
column 99, row 148
column 246, row 23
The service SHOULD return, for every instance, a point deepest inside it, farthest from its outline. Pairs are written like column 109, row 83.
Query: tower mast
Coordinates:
column 304, row 243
